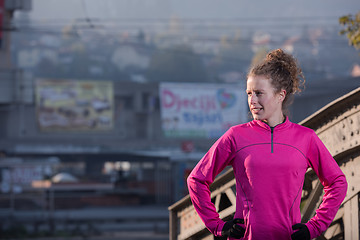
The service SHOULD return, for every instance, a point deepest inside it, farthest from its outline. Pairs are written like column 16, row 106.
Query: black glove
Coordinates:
column 302, row 234
column 231, row 229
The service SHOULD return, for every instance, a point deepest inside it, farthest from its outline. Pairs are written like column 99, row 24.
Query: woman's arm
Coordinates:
column 334, row 182
column 204, row 173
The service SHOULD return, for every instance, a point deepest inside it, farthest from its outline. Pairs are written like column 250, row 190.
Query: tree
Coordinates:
column 176, row 64
column 352, row 28
column 259, row 56
column 234, row 55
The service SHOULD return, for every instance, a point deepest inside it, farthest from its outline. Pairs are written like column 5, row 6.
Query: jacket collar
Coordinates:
column 280, row 126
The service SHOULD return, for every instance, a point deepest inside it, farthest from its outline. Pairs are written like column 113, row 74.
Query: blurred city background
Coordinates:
column 106, row 106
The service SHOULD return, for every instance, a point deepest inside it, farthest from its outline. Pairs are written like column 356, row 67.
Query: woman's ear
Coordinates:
column 282, row 95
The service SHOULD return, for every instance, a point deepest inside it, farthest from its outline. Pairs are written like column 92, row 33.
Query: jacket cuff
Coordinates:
column 311, row 230
column 219, row 228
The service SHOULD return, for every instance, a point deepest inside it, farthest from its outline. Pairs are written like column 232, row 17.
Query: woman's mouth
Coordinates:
column 256, row 110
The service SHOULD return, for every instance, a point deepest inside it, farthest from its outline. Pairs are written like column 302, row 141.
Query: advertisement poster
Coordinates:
column 195, row 110
column 70, row 105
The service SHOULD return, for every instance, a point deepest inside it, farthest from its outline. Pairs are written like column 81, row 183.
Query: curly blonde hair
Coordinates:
column 284, row 72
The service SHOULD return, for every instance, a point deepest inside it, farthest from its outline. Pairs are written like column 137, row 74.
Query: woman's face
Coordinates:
column 264, row 103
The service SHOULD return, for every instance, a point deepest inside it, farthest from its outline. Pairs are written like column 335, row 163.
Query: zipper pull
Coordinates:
column 272, row 139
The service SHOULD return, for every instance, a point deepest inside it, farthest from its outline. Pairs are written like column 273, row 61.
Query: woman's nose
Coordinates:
column 252, row 98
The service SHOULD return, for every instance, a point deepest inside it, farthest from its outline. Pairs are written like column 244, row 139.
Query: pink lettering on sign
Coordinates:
column 177, row 102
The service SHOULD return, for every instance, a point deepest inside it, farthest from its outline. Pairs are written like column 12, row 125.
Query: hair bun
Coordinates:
column 275, row 55
column 283, row 70
column 283, row 60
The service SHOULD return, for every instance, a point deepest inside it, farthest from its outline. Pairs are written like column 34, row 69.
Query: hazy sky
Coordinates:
column 70, row 9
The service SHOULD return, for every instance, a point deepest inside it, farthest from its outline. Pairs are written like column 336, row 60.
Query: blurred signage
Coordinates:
column 22, row 175
column 74, row 105
column 201, row 110
column 14, row 179
column 187, row 146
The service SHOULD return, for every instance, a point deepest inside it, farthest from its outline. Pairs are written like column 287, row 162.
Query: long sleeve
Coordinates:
column 204, row 173
column 334, row 182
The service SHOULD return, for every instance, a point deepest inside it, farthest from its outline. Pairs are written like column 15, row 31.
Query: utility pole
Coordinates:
column 7, row 9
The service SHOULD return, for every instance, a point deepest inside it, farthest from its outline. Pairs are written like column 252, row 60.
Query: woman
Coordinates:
column 270, row 156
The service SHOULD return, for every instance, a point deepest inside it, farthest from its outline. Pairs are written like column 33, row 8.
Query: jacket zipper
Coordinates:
column 272, row 139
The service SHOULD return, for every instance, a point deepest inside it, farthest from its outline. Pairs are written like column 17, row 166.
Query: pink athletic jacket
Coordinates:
column 269, row 166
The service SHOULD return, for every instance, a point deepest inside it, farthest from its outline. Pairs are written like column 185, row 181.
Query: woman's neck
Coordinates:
column 275, row 121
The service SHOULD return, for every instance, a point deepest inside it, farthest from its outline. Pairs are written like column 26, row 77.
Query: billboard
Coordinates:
column 70, row 105
column 195, row 110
